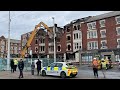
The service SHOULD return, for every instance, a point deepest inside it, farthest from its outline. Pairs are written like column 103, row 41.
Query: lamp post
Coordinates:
column 8, row 53
column 54, row 40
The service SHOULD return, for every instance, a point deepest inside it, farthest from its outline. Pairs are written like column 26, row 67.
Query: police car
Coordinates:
column 62, row 69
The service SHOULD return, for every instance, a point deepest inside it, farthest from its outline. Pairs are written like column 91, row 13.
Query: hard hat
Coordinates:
column 94, row 58
column 102, row 59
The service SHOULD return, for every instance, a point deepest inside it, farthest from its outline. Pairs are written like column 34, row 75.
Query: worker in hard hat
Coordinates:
column 95, row 67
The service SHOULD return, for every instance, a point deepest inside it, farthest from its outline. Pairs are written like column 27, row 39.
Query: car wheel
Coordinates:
column 43, row 73
column 63, row 75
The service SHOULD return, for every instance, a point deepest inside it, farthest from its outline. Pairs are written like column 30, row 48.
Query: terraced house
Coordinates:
column 82, row 39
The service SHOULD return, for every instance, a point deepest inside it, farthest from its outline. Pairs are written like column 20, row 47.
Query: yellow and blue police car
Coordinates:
column 62, row 69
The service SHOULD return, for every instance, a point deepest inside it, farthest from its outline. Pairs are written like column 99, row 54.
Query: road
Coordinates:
column 85, row 72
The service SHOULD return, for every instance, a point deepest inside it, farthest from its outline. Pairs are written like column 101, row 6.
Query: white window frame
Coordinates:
column 35, row 49
column 92, row 26
column 90, row 37
column 118, row 46
column 116, row 19
column 70, row 46
column 89, row 48
column 42, row 50
column 105, row 42
column 60, row 48
column 101, row 23
column 101, row 33
column 117, row 30
column 67, row 36
column 50, row 49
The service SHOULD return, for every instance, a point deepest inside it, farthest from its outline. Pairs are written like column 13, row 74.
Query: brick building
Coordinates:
column 42, row 44
column 93, row 35
column 14, row 47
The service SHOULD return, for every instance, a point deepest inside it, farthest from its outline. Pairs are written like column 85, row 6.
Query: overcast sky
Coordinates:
column 25, row 21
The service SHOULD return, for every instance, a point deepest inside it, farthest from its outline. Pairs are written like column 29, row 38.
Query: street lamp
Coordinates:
column 54, row 39
column 8, row 53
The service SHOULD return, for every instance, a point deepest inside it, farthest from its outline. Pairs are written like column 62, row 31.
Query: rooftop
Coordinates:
column 102, row 16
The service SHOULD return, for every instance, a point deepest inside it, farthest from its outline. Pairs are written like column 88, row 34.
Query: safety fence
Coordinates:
column 27, row 63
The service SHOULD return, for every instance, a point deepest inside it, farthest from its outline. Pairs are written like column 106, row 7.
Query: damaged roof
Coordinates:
column 102, row 16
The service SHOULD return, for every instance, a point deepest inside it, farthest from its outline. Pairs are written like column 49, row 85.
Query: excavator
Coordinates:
column 32, row 36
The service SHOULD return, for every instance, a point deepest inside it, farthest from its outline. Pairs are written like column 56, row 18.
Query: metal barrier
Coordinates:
column 27, row 63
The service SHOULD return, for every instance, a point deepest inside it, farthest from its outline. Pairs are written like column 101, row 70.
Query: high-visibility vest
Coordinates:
column 15, row 62
column 103, row 64
column 95, row 63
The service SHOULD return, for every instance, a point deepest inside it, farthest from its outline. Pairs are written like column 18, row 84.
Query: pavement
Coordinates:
column 84, row 72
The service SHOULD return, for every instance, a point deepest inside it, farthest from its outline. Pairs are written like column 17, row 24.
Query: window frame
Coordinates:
column 101, row 23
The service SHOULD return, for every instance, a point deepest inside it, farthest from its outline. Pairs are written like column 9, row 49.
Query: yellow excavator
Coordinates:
column 32, row 36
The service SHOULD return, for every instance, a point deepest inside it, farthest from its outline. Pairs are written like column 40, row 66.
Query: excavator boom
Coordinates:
column 32, row 36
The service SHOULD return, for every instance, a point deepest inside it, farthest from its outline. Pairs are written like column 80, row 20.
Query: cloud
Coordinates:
column 25, row 21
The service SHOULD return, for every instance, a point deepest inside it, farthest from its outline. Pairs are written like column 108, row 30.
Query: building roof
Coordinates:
column 102, row 16
column 14, row 40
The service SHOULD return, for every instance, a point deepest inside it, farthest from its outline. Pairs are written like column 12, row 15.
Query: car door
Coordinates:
column 59, row 68
column 50, row 70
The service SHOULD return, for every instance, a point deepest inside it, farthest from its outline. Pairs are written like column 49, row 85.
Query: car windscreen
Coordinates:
column 69, row 64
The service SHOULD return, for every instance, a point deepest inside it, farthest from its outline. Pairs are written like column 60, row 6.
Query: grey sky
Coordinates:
column 25, row 21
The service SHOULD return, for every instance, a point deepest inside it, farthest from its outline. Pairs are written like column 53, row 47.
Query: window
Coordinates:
column 51, row 48
column 36, row 49
column 75, row 28
column 58, row 48
column 42, row 40
column 118, row 30
column 68, row 29
column 118, row 20
column 68, row 37
column 78, row 27
column 68, row 47
column 74, row 36
column 118, row 41
column 103, row 43
column 59, row 64
column 92, row 34
column 93, row 45
column 42, row 48
column 91, row 25
column 36, row 41
column 52, row 64
column 77, row 46
column 102, row 23
column 103, row 33
column 79, row 35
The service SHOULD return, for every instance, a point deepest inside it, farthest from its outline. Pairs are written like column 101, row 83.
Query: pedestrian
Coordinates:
column 21, row 67
column 12, row 65
column 38, row 66
column 95, row 67
column 32, row 68
column 15, row 64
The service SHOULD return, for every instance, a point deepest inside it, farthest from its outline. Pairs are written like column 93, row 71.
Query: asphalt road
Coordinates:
column 85, row 72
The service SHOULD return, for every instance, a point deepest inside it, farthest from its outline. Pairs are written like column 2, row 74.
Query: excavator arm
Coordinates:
column 32, row 36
